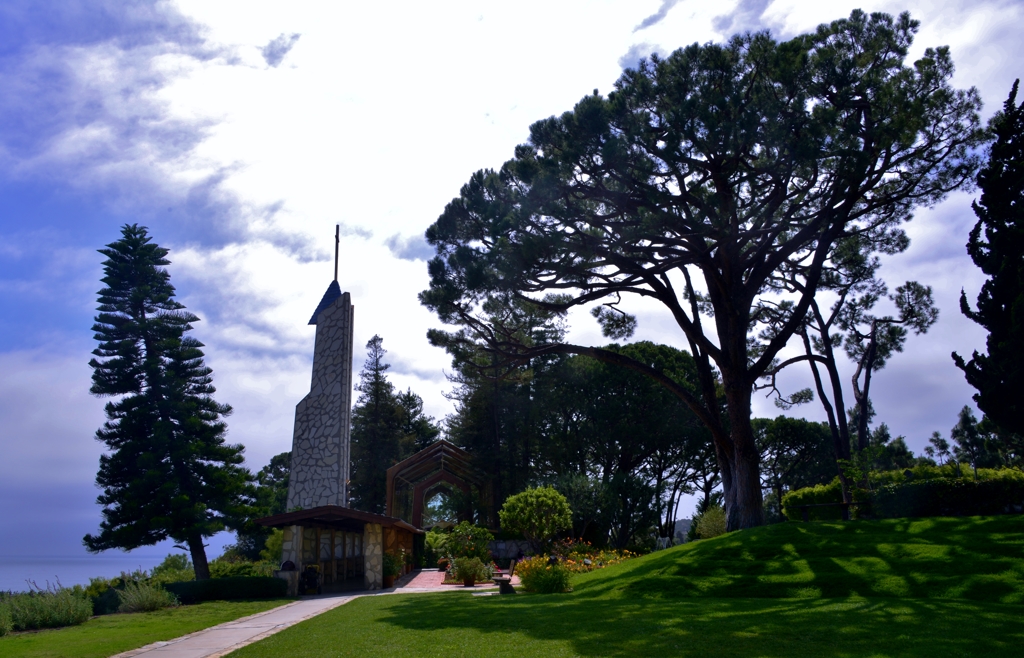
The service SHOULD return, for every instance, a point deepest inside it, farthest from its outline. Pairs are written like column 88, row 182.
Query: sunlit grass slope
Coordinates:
column 979, row 558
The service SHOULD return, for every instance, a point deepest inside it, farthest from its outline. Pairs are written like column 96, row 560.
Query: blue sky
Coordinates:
column 241, row 132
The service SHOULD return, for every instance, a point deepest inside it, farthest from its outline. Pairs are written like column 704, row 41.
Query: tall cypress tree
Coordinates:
column 999, row 375
column 377, row 437
column 169, row 472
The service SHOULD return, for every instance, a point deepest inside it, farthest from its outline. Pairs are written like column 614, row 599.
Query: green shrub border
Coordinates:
column 1000, row 493
column 226, row 589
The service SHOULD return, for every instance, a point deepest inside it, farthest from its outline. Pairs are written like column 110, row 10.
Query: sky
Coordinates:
column 242, row 132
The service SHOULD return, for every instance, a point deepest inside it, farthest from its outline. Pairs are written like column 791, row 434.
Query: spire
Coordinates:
column 334, row 290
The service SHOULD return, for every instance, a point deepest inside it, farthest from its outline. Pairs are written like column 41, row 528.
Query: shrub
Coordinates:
column 538, row 513
column 273, row 547
column 537, row 575
column 816, row 495
column 102, row 593
column 6, row 625
column 950, row 497
column 223, row 589
column 144, row 597
column 468, row 540
column 238, row 568
column 53, row 607
column 435, row 545
column 711, row 523
column 470, row 567
column 393, row 562
column 580, row 556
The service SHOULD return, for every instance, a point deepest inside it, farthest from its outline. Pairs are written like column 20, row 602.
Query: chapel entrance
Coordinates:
column 440, row 468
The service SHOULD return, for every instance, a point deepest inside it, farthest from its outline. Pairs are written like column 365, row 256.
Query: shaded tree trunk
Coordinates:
column 198, row 551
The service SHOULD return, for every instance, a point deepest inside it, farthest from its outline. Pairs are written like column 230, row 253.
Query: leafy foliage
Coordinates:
column 746, row 164
column 144, row 597
column 169, row 472
column 393, row 562
column 226, row 589
column 996, row 245
column 468, row 540
column 711, row 523
column 466, row 568
column 537, row 574
column 539, row 514
column 53, row 607
column 387, row 427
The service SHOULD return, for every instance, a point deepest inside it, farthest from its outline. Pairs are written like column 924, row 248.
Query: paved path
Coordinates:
column 224, row 638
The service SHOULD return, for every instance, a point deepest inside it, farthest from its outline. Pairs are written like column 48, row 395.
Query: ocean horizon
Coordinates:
column 17, row 572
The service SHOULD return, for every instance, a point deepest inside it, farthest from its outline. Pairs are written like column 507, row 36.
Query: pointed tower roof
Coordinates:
column 332, row 293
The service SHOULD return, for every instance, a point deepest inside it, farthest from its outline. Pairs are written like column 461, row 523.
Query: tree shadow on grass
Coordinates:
column 978, row 558
column 594, row 626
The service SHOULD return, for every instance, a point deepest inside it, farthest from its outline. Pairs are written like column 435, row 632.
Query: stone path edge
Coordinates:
column 224, row 652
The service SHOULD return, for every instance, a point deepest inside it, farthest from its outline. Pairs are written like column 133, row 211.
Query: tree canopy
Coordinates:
column 717, row 181
column 169, row 472
column 387, row 427
column 996, row 245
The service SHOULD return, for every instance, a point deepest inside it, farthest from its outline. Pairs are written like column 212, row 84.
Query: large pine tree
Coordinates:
column 169, row 472
column 387, row 427
column 996, row 245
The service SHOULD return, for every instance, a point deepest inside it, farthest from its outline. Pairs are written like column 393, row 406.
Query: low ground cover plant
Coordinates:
column 579, row 556
column 52, row 607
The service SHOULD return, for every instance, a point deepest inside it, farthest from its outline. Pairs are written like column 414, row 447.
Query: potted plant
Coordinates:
column 470, row 569
column 392, row 567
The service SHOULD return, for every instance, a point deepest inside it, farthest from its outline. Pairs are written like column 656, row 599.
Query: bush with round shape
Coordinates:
column 470, row 568
column 538, row 575
column 711, row 523
column 144, row 597
column 539, row 514
column 468, row 540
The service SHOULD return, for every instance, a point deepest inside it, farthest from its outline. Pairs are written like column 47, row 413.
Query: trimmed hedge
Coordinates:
column 224, row 589
column 997, row 491
column 821, row 494
column 946, row 497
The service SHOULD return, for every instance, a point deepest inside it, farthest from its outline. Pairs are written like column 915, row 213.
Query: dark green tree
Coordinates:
column 718, row 182
column 271, row 497
column 996, row 245
column 169, row 472
column 387, row 427
column 972, row 444
column 795, row 453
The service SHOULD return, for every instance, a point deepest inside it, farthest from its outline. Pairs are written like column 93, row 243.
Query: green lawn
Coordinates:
column 932, row 587
column 110, row 634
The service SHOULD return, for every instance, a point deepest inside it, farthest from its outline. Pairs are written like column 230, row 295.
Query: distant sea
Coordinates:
column 69, row 570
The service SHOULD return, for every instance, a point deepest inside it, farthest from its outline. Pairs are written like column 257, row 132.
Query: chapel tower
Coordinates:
column 321, row 438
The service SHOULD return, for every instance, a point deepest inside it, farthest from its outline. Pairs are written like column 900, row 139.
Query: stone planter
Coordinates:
column 389, row 581
column 469, row 582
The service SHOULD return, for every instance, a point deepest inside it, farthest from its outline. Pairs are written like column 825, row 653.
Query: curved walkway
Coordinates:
column 224, row 638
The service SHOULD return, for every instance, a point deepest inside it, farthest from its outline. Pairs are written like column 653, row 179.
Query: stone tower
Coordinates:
column 320, row 442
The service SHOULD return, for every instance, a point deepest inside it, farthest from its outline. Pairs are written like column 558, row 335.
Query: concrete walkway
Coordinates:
column 224, row 638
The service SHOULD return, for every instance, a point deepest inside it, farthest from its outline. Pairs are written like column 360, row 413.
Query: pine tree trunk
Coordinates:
column 199, row 563
column 739, row 459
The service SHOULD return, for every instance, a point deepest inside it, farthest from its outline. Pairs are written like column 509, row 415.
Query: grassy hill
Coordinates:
column 931, row 587
column 979, row 558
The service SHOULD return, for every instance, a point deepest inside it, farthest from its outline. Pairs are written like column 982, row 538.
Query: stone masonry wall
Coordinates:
column 320, row 442
column 373, row 556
